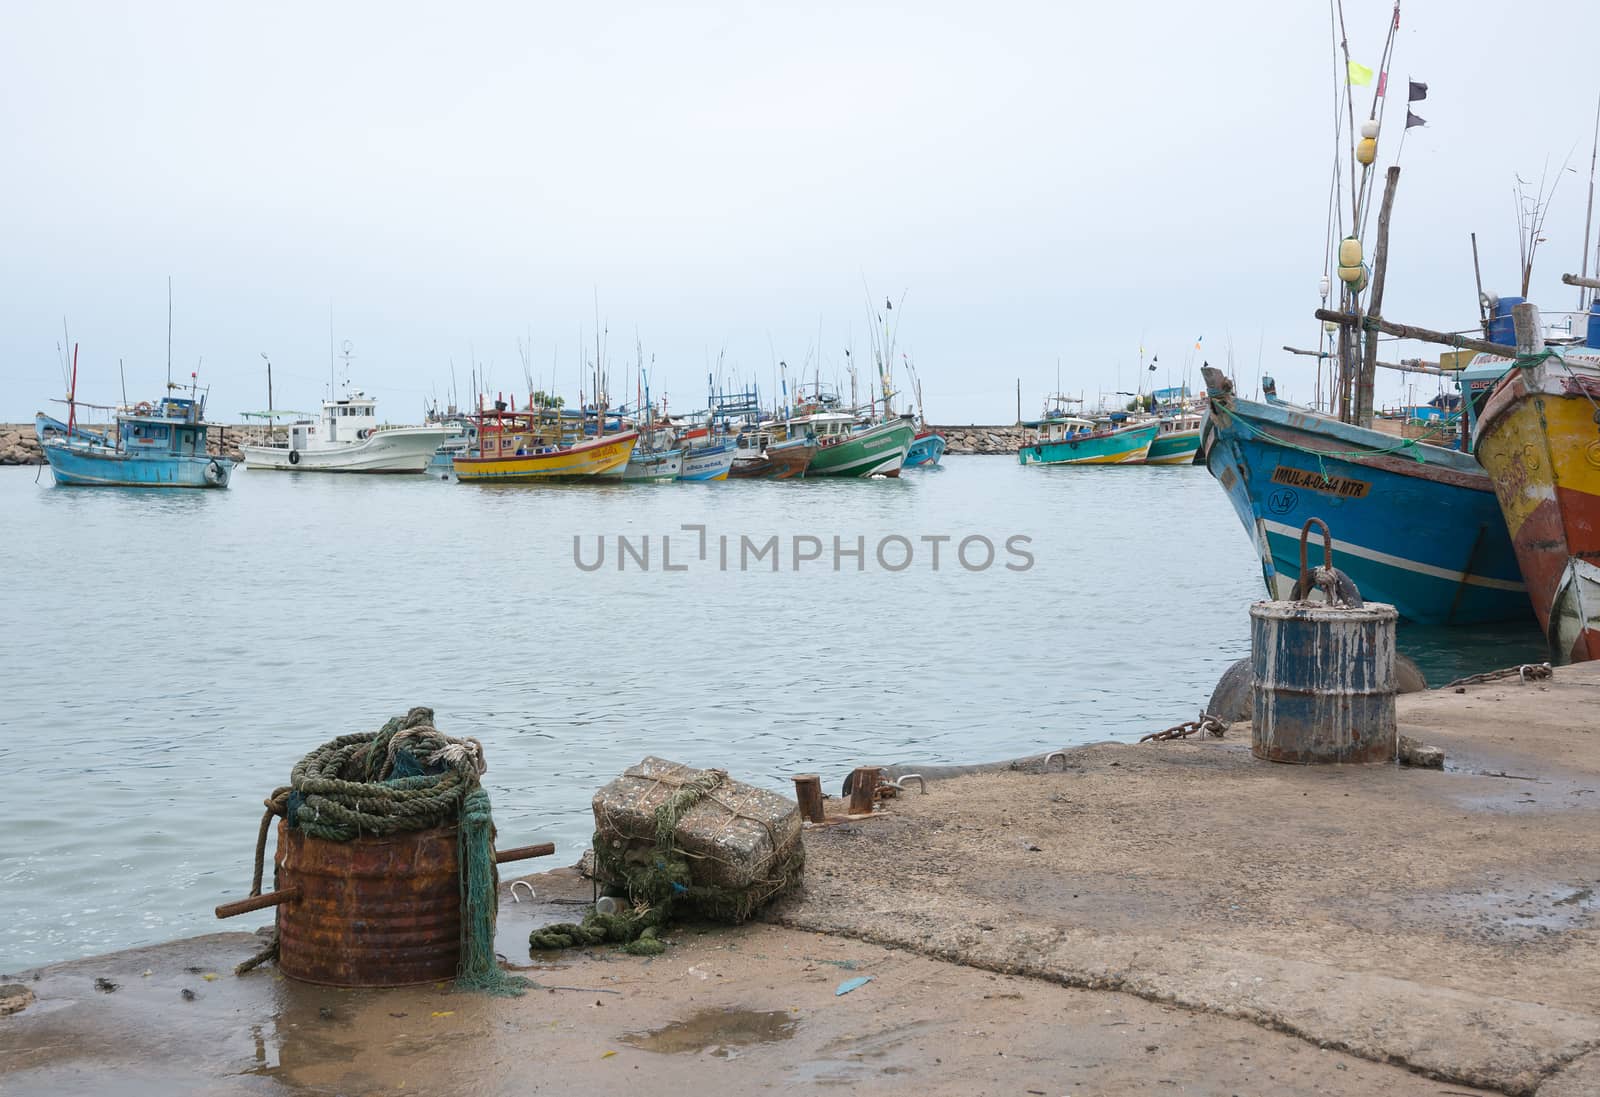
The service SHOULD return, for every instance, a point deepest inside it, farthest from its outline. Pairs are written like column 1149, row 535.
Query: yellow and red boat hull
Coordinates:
column 588, row 458
column 1539, row 438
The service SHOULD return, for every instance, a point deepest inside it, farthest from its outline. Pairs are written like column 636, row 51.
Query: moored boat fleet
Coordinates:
column 1483, row 506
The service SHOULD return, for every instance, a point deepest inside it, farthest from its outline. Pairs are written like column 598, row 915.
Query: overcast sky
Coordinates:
column 1039, row 181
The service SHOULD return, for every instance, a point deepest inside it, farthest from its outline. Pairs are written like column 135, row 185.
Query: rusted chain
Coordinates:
column 1526, row 672
column 1207, row 724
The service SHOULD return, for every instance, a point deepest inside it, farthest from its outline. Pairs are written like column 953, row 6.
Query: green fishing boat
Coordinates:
column 847, row 447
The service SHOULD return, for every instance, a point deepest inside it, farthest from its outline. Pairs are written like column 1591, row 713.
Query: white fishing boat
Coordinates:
column 348, row 438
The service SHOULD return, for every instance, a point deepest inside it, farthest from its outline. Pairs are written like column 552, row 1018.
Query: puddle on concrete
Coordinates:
column 1548, row 909
column 717, row 1031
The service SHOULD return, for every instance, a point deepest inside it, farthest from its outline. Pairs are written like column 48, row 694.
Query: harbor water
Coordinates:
column 169, row 656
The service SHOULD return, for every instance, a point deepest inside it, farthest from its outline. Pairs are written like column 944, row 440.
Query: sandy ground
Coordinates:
column 1170, row 918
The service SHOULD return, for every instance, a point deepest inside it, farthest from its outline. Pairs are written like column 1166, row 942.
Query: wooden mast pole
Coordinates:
column 1380, row 259
column 1426, row 335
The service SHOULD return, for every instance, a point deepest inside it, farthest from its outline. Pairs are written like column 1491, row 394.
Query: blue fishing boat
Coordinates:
column 161, row 445
column 926, row 449
column 1414, row 525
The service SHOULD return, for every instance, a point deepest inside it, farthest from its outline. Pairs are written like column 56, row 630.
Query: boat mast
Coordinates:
column 169, row 336
column 1588, row 217
column 72, row 394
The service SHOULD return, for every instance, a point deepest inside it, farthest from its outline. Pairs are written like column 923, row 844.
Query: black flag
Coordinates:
column 1419, row 90
column 1414, row 120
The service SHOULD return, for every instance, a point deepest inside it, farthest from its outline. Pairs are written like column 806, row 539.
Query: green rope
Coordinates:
column 408, row 776
column 656, row 889
column 1528, row 361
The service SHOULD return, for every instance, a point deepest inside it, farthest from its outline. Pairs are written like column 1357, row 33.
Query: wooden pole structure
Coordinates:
column 864, row 789
column 1477, row 274
column 808, row 793
column 1405, row 365
column 1580, row 280
column 1530, row 339
column 1380, row 260
column 1425, row 335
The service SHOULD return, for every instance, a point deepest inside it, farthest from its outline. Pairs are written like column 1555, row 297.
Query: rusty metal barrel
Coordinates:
column 1324, row 672
column 372, row 912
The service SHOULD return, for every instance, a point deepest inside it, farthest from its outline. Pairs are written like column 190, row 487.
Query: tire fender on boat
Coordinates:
column 294, row 457
column 214, row 473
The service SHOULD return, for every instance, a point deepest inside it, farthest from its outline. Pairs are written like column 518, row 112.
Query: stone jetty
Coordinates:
column 974, row 438
column 18, row 446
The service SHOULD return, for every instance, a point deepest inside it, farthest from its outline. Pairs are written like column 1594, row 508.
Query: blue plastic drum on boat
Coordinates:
column 1593, row 337
column 1502, row 327
column 1324, row 682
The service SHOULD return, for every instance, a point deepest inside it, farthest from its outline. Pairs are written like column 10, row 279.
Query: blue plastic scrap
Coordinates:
column 851, row 984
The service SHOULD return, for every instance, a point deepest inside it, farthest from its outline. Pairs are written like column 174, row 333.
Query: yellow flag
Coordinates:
column 1360, row 76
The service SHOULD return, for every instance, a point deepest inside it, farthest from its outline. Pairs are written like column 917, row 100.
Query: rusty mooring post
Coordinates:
column 808, row 793
column 864, row 789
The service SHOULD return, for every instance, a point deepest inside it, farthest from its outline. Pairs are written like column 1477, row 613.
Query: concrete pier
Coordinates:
column 1172, row 917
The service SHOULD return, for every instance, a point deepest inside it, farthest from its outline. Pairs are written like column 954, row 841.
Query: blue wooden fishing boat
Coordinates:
column 926, row 449
column 1414, row 525
column 161, row 445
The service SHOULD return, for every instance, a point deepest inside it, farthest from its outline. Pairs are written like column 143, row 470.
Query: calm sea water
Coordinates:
column 170, row 655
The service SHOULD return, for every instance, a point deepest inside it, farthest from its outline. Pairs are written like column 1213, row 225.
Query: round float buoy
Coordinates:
column 1369, row 129
column 1349, row 253
column 1366, row 150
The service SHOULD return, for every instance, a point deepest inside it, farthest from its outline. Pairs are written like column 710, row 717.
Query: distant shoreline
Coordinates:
column 19, row 447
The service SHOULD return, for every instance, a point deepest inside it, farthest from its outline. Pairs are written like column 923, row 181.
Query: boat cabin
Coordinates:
column 171, row 426
column 1179, row 424
column 351, row 419
column 1063, row 428
column 503, row 433
column 828, row 427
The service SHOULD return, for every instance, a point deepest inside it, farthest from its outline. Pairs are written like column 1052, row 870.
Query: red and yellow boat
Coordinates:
column 519, row 447
column 1538, row 435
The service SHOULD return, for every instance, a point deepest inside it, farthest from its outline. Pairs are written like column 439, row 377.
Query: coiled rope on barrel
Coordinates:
column 406, row 776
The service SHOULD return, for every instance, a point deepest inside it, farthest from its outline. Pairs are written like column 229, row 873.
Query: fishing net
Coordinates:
column 407, row 776
column 675, row 839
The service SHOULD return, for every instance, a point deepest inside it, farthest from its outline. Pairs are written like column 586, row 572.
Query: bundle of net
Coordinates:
column 658, row 878
column 409, row 776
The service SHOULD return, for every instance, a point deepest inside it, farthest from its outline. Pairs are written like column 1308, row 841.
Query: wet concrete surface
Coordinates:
column 1443, row 920
column 723, row 1012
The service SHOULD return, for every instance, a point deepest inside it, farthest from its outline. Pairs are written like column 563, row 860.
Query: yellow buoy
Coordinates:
column 1349, row 254
column 1350, row 275
column 1367, row 150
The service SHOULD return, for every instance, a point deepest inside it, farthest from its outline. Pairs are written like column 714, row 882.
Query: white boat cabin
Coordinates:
column 1061, row 428
column 1186, row 423
column 827, row 427
column 344, row 422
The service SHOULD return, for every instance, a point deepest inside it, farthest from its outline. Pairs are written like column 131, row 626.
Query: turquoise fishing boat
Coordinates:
column 1070, row 440
column 926, row 449
column 1177, row 441
column 161, row 445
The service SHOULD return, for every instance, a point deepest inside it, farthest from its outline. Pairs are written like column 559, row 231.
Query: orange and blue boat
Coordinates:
column 1538, row 435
